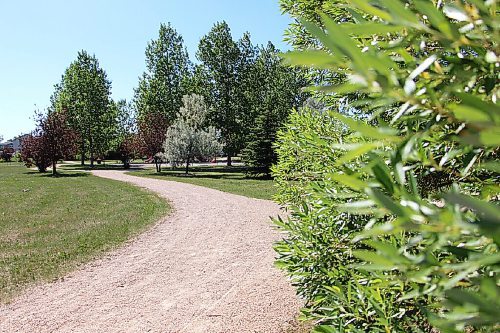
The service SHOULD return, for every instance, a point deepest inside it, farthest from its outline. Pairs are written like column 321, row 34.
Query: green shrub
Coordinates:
column 394, row 222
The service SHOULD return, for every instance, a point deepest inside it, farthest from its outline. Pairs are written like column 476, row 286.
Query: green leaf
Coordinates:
column 437, row 19
column 491, row 165
column 356, row 152
column 399, row 12
column 490, row 137
column 345, row 44
column 388, row 203
column 369, row 29
column 473, row 107
column 388, row 250
column 325, row 329
column 367, row 130
column 350, row 181
column 374, row 258
column 488, row 212
column 383, row 176
column 369, row 9
column 313, row 58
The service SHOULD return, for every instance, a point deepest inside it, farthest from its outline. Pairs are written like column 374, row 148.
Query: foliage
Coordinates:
column 166, row 79
column 7, row 154
column 127, row 140
column 186, row 139
column 394, row 214
column 151, row 136
column 128, row 149
column 226, row 64
column 51, row 141
column 33, row 152
column 276, row 90
column 85, row 93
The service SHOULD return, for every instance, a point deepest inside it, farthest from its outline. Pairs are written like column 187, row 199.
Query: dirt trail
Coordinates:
column 208, row 267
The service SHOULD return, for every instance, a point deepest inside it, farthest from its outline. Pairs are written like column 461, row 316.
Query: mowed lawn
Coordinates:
column 226, row 179
column 50, row 225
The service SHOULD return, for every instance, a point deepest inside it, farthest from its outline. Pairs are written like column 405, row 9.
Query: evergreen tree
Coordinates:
column 276, row 91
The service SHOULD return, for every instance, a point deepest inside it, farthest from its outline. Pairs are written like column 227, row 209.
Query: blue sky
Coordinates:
column 39, row 39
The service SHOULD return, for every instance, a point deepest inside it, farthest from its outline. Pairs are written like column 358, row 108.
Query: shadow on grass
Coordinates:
column 66, row 175
column 230, row 173
column 48, row 174
column 96, row 167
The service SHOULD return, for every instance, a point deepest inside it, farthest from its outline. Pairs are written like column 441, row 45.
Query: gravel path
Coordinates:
column 208, row 267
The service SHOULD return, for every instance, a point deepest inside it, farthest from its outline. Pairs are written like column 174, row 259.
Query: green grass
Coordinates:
column 49, row 225
column 226, row 179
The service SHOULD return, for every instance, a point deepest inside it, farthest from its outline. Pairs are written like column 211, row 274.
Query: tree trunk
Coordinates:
column 187, row 165
column 82, row 152
column 157, row 164
column 229, row 161
column 91, row 151
column 54, row 172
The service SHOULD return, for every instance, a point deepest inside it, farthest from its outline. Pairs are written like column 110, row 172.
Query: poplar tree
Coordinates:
column 224, row 59
column 85, row 93
column 161, row 87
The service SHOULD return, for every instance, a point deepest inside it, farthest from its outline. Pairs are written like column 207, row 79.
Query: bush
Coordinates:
column 394, row 220
column 6, row 154
column 34, row 152
column 51, row 141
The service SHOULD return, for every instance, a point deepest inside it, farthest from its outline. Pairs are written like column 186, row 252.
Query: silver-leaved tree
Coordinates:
column 187, row 139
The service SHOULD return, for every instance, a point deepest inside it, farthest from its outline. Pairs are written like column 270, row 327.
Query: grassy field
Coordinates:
column 227, row 179
column 50, row 225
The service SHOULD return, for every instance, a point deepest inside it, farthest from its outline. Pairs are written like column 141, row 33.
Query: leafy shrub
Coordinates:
column 394, row 220
column 51, row 141
column 34, row 152
column 6, row 154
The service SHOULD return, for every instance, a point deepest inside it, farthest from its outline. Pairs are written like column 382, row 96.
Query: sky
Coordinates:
column 39, row 39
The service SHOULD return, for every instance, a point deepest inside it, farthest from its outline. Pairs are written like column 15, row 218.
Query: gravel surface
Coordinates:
column 208, row 267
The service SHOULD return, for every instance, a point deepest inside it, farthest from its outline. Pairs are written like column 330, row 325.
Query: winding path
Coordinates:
column 208, row 267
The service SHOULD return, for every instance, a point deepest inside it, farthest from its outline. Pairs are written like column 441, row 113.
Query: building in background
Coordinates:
column 15, row 143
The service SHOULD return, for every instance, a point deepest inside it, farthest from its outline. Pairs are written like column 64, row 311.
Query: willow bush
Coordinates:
column 395, row 224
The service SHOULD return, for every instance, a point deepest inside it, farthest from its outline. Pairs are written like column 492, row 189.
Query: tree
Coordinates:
column 394, row 221
column 276, row 91
column 223, row 62
column 159, row 94
column 51, row 141
column 186, row 138
column 85, row 92
column 165, row 81
column 6, row 154
column 151, row 136
column 34, row 152
column 126, row 137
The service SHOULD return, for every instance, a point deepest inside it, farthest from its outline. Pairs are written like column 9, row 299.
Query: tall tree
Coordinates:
column 85, row 92
column 164, row 82
column 277, row 89
column 223, row 60
column 161, row 87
